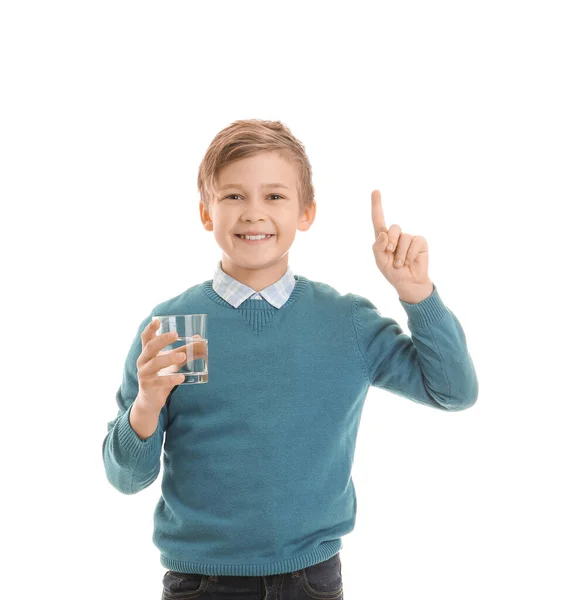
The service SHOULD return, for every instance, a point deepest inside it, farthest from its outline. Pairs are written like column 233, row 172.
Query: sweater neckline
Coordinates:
column 251, row 304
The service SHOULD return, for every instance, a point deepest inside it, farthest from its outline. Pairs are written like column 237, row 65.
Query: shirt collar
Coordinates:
column 234, row 292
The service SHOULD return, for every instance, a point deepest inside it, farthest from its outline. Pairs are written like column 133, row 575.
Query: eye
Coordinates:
column 237, row 195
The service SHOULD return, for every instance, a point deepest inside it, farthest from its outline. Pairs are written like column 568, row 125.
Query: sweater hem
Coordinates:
column 325, row 551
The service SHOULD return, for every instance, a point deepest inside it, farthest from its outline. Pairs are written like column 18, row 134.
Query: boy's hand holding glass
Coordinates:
column 160, row 369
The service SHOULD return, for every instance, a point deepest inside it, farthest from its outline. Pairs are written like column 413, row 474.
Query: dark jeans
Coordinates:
column 323, row 580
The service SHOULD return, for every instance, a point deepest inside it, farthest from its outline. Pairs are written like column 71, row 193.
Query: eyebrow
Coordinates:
column 237, row 185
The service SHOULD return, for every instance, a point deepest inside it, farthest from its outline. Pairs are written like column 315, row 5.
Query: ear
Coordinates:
column 206, row 218
column 306, row 219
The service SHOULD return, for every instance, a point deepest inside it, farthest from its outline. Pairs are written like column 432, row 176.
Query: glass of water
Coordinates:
column 192, row 339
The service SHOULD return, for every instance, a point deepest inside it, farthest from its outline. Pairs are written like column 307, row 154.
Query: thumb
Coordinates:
column 383, row 241
column 384, row 259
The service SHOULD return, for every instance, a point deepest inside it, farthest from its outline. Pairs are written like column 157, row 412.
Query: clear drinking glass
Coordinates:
column 193, row 338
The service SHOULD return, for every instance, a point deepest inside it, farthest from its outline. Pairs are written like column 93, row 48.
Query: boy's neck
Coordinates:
column 256, row 279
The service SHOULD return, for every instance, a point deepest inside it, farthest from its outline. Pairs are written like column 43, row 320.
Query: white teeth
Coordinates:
column 254, row 237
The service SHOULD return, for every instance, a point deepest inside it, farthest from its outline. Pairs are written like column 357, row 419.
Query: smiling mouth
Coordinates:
column 266, row 239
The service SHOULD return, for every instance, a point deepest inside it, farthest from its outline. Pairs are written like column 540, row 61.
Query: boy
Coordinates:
column 257, row 490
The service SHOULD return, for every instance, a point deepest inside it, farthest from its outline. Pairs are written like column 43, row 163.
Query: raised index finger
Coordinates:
column 378, row 220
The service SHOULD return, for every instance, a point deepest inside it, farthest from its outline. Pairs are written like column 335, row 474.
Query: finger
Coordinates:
column 402, row 250
column 147, row 337
column 148, row 331
column 378, row 220
column 382, row 241
column 418, row 245
column 194, row 350
column 160, row 342
column 394, row 234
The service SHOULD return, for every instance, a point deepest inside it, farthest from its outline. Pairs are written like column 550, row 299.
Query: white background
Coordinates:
column 456, row 111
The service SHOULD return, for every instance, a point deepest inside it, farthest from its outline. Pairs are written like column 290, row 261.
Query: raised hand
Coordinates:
column 410, row 276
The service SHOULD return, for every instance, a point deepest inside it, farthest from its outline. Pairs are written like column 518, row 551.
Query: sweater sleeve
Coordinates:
column 433, row 367
column 131, row 463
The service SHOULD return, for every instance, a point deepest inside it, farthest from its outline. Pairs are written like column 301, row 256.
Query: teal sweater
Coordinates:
column 257, row 462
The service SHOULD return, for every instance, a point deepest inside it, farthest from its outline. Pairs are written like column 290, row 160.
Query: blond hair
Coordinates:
column 248, row 137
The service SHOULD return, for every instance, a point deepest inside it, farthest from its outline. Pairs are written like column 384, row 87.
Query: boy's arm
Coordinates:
column 132, row 463
column 433, row 367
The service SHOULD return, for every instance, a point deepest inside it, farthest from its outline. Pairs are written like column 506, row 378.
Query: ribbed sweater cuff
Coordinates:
column 428, row 311
column 132, row 443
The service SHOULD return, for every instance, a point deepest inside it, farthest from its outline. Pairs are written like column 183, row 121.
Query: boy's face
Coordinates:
column 242, row 204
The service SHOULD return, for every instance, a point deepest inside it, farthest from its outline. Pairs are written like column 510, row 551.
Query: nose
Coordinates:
column 253, row 210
